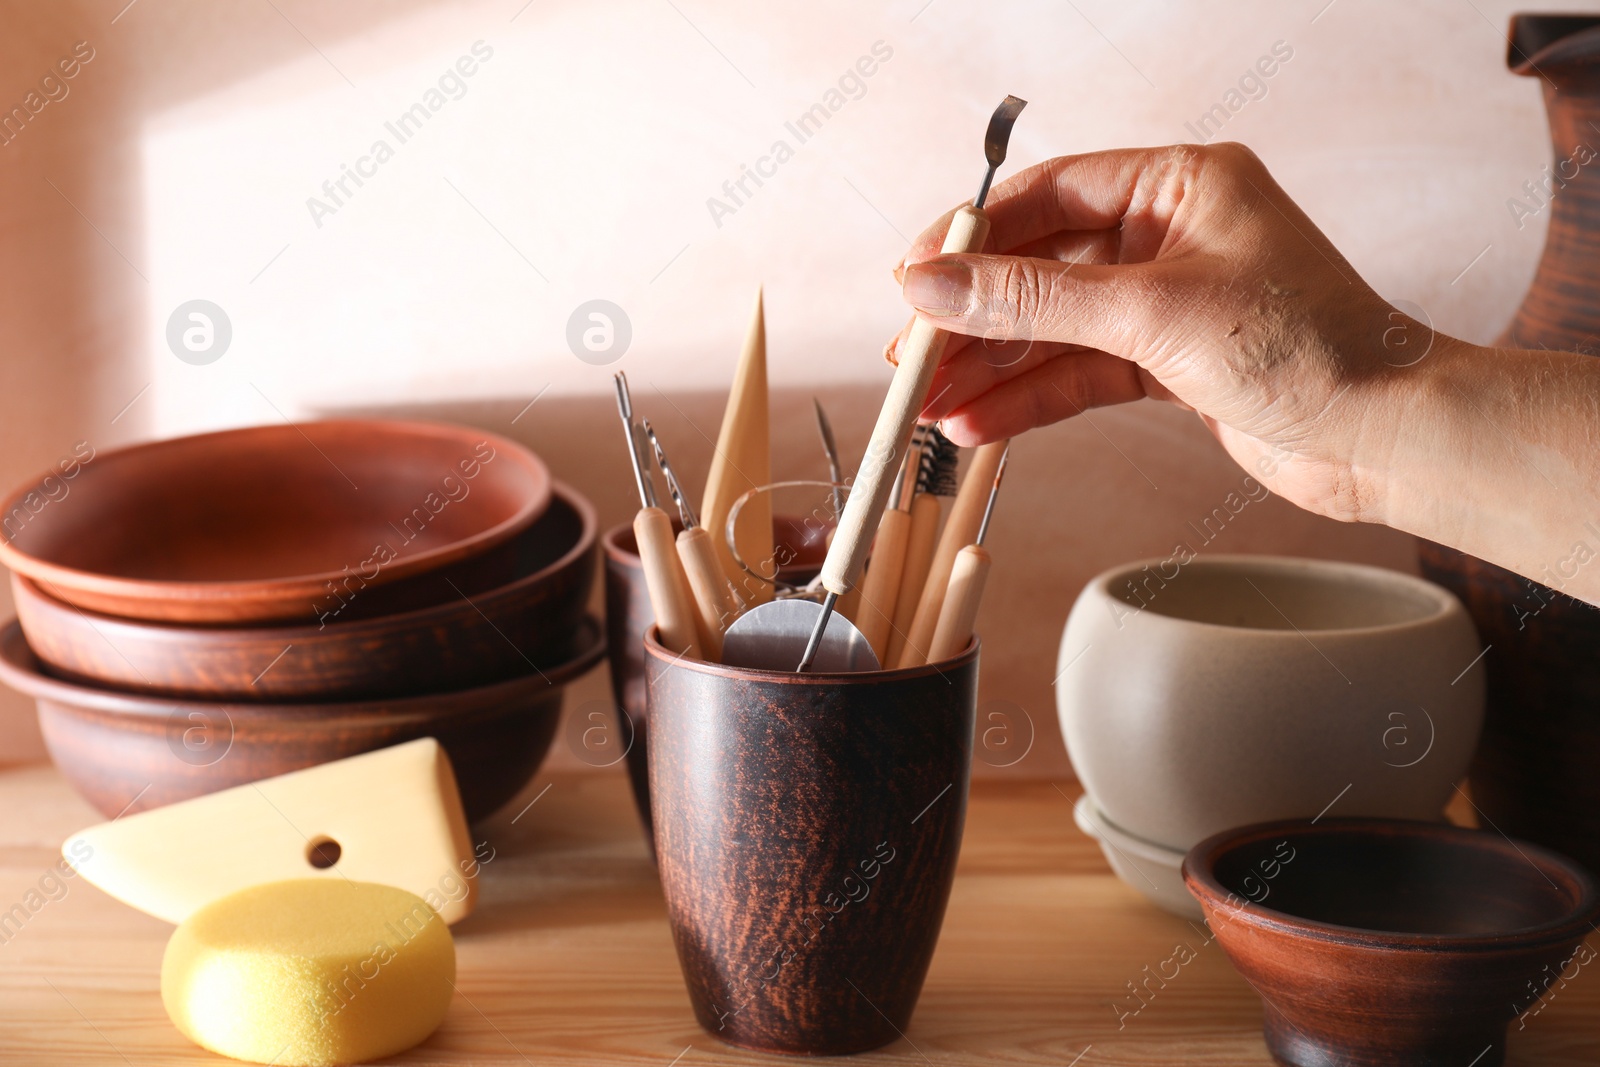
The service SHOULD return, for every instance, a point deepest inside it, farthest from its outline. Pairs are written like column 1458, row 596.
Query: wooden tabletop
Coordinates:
column 568, row 959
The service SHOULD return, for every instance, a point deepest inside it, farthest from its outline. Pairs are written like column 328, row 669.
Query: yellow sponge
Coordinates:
column 310, row 973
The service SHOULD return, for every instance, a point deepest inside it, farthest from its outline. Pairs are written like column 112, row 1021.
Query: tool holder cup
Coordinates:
column 806, row 829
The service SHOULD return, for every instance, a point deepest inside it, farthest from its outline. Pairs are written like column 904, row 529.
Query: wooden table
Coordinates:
column 568, row 959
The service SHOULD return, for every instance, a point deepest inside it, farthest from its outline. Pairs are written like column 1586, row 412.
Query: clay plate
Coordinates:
column 271, row 522
column 482, row 631
column 129, row 753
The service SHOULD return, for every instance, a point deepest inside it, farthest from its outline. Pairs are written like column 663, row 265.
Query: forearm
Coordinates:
column 1497, row 452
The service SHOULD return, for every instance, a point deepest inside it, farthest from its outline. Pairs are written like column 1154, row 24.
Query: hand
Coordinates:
column 1184, row 274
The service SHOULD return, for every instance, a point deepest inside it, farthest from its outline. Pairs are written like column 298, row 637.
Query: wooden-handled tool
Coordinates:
column 670, row 596
column 850, row 603
column 715, row 603
column 936, row 477
column 881, row 585
column 960, row 529
column 908, row 392
column 967, row 577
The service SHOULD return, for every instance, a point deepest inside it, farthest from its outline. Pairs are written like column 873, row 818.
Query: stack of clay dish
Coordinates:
column 1201, row 694
column 211, row 610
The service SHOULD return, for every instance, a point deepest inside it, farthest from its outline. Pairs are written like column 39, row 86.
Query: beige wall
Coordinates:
column 577, row 165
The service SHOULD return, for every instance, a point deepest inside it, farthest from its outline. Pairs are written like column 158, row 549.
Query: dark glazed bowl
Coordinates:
column 1386, row 942
column 270, row 522
column 628, row 616
column 127, row 753
column 481, row 630
column 807, row 829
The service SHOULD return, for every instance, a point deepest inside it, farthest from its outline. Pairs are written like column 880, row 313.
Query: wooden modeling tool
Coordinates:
column 908, row 393
column 715, row 604
column 967, row 578
column 960, row 530
column 670, row 596
column 392, row 816
column 881, row 583
column 742, row 462
column 936, row 477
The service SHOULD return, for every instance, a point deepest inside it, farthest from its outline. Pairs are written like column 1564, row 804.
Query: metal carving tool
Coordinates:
column 715, row 604
column 830, row 448
column 908, row 392
column 670, row 595
column 967, row 578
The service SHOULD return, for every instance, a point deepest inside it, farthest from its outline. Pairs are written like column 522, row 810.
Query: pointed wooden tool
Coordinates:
column 392, row 816
column 742, row 462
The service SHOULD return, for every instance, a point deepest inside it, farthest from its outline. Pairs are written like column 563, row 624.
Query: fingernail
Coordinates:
column 938, row 287
column 889, row 351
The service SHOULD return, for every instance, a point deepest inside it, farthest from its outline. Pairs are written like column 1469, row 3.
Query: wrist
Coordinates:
column 1424, row 466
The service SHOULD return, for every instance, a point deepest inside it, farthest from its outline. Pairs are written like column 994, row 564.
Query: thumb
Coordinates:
column 1110, row 307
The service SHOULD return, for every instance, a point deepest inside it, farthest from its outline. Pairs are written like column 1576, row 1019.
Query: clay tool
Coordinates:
column 741, row 462
column 310, row 972
column 960, row 530
column 715, row 604
column 849, row 604
column 830, row 448
column 670, row 595
column 908, row 392
column 392, row 816
column 764, row 638
column 967, row 577
column 881, row 583
column 936, row 477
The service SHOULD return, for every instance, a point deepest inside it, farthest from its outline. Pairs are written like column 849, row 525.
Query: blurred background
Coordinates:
column 561, row 153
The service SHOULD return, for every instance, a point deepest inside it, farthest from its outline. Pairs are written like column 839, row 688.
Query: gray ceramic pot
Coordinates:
column 1202, row 695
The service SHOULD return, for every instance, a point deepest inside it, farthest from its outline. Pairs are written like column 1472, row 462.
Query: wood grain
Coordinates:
column 568, row 959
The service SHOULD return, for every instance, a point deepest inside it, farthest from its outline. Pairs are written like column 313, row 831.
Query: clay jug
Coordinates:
column 1537, row 771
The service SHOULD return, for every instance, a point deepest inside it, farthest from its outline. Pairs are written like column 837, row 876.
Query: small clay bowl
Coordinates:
column 268, row 523
column 628, row 616
column 127, row 753
column 479, row 634
column 1381, row 941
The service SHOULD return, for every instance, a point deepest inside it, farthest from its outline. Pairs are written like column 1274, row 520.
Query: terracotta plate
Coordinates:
column 268, row 523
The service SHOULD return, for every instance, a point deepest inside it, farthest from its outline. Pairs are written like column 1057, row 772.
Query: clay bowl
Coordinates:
column 1377, row 941
column 628, row 616
column 269, row 523
column 806, row 829
column 1226, row 690
column 484, row 632
column 127, row 752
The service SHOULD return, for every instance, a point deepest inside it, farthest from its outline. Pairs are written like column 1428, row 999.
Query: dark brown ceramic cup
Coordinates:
column 628, row 616
column 806, row 830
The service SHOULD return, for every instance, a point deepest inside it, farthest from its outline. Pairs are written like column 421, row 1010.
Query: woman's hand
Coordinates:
column 1187, row 275
column 1184, row 274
